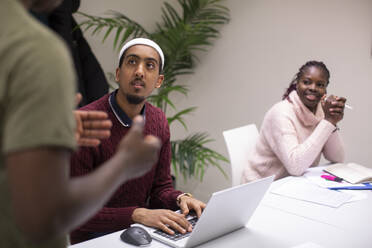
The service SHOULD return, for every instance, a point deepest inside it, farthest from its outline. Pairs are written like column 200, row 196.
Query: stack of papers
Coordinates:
column 314, row 175
column 304, row 190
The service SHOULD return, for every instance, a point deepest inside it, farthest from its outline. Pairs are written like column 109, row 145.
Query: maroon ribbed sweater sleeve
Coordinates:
column 153, row 190
column 107, row 219
column 163, row 195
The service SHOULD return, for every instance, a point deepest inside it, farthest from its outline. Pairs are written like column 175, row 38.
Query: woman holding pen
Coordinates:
column 297, row 130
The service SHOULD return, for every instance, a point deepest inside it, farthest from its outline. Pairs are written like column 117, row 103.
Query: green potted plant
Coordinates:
column 180, row 36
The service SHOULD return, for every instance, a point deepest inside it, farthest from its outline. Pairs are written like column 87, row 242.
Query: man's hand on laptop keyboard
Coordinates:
column 164, row 219
column 188, row 204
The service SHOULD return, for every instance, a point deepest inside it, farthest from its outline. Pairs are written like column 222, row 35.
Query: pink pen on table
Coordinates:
column 331, row 178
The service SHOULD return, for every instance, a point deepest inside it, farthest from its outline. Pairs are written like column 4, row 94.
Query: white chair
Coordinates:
column 240, row 143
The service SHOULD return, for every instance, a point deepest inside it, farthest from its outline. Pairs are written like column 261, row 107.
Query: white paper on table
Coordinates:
column 308, row 245
column 358, row 195
column 313, row 175
column 303, row 190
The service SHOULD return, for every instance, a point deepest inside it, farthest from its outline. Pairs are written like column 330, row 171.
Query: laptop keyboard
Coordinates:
column 177, row 235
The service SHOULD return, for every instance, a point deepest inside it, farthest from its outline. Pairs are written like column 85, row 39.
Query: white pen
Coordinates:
column 348, row 107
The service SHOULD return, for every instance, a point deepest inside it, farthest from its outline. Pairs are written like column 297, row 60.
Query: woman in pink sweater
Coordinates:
column 297, row 130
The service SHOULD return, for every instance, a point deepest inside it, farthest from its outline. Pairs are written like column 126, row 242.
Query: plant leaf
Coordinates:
column 192, row 156
column 187, row 27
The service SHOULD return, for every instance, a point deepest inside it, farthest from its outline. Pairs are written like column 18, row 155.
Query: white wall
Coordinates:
column 258, row 53
column 143, row 11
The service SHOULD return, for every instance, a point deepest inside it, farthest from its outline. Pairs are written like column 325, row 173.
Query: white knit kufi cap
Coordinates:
column 143, row 41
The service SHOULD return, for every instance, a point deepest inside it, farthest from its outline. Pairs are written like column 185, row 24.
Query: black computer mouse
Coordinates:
column 136, row 235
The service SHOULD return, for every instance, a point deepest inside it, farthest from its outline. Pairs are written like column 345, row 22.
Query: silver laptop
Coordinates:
column 226, row 211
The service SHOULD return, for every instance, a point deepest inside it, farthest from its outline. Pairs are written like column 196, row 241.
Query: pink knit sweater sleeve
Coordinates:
column 333, row 150
column 282, row 136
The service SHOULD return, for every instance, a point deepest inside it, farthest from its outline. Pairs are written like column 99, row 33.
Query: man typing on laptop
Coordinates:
column 150, row 199
column 227, row 210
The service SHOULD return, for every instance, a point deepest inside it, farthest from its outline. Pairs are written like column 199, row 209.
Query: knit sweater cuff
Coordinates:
column 125, row 216
column 327, row 126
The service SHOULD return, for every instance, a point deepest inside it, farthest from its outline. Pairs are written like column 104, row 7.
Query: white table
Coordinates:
column 284, row 222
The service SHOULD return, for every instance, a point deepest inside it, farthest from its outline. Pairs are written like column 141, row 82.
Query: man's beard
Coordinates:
column 133, row 99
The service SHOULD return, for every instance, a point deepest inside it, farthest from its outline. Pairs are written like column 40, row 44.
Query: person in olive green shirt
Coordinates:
column 39, row 203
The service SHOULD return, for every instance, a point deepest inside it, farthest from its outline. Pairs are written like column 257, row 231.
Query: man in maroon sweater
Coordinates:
column 149, row 199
